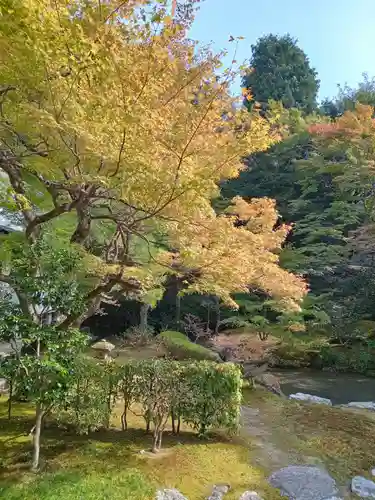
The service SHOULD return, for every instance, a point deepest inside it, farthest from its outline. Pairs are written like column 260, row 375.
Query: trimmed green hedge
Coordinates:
column 180, row 347
column 203, row 394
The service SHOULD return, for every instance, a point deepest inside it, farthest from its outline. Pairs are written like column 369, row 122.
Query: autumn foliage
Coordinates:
column 115, row 131
column 238, row 252
column 351, row 124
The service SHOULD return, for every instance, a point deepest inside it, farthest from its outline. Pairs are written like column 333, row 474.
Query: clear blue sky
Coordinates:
column 337, row 35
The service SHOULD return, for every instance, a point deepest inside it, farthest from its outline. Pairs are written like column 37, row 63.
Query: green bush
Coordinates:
column 203, row 394
column 213, row 396
column 91, row 397
column 180, row 347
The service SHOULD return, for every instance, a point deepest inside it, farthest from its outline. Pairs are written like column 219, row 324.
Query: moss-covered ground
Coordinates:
column 336, row 438
column 109, row 465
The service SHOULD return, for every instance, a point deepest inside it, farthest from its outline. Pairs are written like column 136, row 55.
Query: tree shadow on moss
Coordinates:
column 99, row 451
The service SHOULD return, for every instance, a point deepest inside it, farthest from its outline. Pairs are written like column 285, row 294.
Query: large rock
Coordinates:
column 363, row 487
column 218, row 491
column 300, row 482
column 250, row 495
column 362, row 405
column 169, row 495
column 309, row 398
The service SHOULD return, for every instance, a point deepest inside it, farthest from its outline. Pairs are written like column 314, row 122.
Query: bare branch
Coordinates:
column 114, row 11
column 5, row 90
column 120, row 154
column 74, row 80
column 191, row 80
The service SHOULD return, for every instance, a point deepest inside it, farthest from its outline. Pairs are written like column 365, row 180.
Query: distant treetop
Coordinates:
column 280, row 71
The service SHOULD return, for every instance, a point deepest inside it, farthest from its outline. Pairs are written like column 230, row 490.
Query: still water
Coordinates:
column 339, row 387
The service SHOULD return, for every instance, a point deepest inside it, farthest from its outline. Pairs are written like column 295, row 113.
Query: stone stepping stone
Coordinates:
column 363, row 487
column 169, row 495
column 300, row 482
column 309, row 398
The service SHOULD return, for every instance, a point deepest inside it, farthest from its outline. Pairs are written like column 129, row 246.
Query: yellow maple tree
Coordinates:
column 109, row 115
column 237, row 252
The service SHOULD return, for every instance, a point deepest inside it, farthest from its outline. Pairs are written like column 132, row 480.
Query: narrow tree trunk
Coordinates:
column 143, row 319
column 203, row 423
column 155, row 440
column 148, row 421
column 108, row 417
column 36, row 438
column 160, row 433
column 217, row 322
column 78, row 402
column 10, row 399
column 173, row 417
column 208, row 320
column 178, row 311
column 202, row 430
column 178, row 424
column 124, row 420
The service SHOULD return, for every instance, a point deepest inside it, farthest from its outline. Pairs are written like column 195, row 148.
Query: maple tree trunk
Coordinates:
column 93, row 299
column 82, row 230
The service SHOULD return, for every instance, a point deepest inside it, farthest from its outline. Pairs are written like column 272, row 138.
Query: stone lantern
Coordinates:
column 103, row 349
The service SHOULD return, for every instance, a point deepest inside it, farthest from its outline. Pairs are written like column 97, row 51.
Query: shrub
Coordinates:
column 136, row 336
column 212, row 397
column 203, row 394
column 234, row 322
column 180, row 347
column 87, row 406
